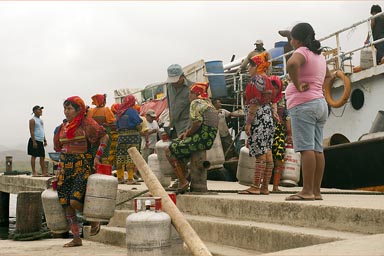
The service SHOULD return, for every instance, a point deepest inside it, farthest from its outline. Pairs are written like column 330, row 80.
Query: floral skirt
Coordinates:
column 278, row 146
column 262, row 131
column 126, row 139
column 202, row 140
column 72, row 183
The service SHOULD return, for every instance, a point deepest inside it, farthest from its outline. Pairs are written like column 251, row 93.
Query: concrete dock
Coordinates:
column 344, row 223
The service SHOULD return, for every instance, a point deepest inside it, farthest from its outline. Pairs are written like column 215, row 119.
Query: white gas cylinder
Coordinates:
column 148, row 233
column 245, row 167
column 153, row 163
column 54, row 212
column 290, row 176
column 215, row 155
column 100, row 197
column 160, row 148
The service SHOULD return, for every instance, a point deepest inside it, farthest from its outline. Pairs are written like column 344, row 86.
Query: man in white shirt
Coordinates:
column 149, row 140
column 225, row 136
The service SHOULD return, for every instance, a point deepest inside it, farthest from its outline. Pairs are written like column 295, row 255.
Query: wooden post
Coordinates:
column 29, row 210
column 4, row 209
column 182, row 226
column 199, row 164
column 8, row 163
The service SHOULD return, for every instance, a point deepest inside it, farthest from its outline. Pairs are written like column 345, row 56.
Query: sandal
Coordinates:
column 249, row 192
column 132, row 182
column 182, row 190
column 73, row 243
column 95, row 229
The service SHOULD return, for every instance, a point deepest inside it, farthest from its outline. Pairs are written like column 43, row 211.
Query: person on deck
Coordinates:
column 225, row 136
column 178, row 104
column 177, row 94
column 199, row 136
column 37, row 141
column 103, row 116
column 128, row 124
column 77, row 162
column 258, row 50
column 377, row 26
column 307, row 107
column 260, row 111
column 149, row 139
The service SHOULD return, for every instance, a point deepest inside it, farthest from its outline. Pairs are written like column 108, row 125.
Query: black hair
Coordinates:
column 375, row 9
column 306, row 35
column 73, row 104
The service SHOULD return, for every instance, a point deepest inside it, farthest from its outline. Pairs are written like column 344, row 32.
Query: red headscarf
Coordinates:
column 99, row 100
column 72, row 126
column 261, row 61
column 200, row 89
column 115, row 107
column 278, row 86
column 128, row 102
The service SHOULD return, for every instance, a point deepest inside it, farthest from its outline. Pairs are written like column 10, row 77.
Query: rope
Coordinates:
column 132, row 197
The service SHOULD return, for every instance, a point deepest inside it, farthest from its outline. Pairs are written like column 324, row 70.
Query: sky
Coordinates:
column 51, row 50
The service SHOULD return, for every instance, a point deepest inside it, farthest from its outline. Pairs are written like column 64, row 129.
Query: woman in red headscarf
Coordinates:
column 77, row 162
column 199, row 136
column 105, row 117
column 259, row 97
column 128, row 124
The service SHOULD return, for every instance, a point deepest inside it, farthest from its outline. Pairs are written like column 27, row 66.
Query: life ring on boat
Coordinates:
column 346, row 93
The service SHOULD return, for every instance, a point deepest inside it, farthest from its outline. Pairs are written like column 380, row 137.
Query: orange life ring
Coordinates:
column 346, row 93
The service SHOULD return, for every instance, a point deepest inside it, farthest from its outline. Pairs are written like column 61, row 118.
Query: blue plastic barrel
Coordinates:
column 216, row 83
column 278, row 51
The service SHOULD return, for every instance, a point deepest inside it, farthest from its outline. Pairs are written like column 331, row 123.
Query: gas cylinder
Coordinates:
column 100, row 197
column 153, row 163
column 215, row 155
column 245, row 167
column 160, row 148
column 54, row 212
column 290, row 176
column 148, row 231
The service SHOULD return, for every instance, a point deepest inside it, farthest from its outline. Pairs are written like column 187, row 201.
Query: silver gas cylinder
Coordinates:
column 54, row 212
column 153, row 163
column 245, row 167
column 160, row 148
column 290, row 176
column 215, row 155
column 148, row 230
column 100, row 197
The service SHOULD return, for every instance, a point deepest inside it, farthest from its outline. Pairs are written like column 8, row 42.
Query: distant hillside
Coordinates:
column 18, row 155
column 20, row 160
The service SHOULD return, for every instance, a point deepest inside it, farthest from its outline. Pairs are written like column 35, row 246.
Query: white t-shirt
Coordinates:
column 223, row 127
column 152, row 138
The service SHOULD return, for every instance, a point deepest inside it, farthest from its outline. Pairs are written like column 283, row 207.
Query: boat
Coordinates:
column 354, row 103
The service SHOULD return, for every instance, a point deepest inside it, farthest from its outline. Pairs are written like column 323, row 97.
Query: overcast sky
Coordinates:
column 51, row 50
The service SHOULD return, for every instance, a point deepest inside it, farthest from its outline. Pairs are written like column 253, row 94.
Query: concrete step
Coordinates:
column 305, row 214
column 239, row 234
column 116, row 236
column 259, row 236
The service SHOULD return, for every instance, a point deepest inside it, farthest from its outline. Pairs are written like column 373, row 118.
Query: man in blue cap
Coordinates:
column 178, row 103
column 178, row 99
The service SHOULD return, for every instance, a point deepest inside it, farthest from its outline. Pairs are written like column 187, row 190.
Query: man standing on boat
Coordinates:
column 259, row 49
column 377, row 26
column 37, row 141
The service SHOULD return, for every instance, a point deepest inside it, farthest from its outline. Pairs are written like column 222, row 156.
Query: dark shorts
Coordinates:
column 36, row 152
